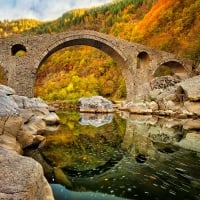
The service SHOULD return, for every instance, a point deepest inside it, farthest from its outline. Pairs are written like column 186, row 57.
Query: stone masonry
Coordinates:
column 138, row 63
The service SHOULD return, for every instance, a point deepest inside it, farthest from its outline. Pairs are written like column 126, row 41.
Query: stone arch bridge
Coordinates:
column 138, row 63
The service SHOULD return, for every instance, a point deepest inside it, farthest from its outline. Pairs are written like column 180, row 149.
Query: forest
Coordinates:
column 169, row 25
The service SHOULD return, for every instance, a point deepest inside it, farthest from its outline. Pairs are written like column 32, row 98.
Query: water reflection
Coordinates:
column 96, row 120
column 140, row 157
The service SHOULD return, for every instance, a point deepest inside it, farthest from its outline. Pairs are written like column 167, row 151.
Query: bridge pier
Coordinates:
column 20, row 75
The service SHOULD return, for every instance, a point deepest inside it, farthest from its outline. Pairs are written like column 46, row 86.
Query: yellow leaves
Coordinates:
column 20, row 53
column 89, row 71
column 17, row 26
column 15, row 29
column 70, row 87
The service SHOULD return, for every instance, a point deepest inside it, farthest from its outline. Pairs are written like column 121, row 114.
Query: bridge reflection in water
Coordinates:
column 142, row 157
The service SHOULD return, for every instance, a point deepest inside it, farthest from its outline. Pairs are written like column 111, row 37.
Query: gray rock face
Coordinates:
column 191, row 88
column 95, row 104
column 22, row 178
column 7, row 105
column 6, row 90
column 9, row 128
column 22, row 118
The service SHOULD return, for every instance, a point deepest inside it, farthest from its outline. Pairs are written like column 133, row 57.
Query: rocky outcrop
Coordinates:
column 95, row 104
column 22, row 120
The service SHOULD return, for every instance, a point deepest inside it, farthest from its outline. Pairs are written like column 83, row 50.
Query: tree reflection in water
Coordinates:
column 142, row 157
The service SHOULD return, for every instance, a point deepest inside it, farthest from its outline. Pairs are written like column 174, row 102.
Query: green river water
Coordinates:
column 140, row 157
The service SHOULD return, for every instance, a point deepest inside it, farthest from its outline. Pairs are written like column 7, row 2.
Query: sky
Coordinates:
column 42, row 9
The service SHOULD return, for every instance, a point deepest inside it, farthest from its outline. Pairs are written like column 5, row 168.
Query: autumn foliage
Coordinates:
column 169, row 25
column 79, row 71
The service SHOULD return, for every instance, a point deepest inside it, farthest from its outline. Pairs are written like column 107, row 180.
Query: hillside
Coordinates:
column 9, row 28
column 170, row 25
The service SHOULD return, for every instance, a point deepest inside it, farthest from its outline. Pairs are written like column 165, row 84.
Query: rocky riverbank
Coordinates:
column 168, row 96
column 22, row 120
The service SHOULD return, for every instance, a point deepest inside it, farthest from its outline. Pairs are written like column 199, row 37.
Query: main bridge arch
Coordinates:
column 98, row 41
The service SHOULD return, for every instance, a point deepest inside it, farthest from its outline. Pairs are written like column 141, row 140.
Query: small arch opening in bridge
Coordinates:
column 18, row 50
column 171, row 68
column 143, row 59
column 3, row 77
column 79, row 70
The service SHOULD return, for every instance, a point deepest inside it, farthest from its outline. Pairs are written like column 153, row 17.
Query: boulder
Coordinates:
column 27, row 103
column 95, row 104
column 191, row 87
column 193, row 107
column 37, row 123
column 10, row 125
column 6, row 90
column 8, row 106
column 9, row 128
column 51, row 119
column 22, row 178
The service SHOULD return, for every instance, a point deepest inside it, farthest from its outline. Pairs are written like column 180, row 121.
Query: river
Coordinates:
column 117, row 155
